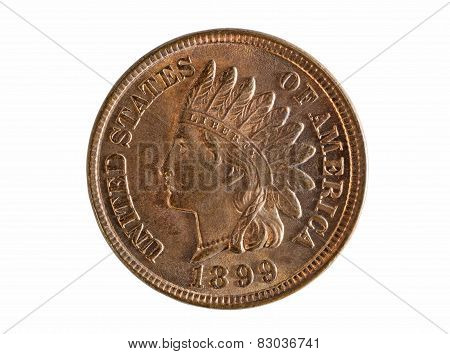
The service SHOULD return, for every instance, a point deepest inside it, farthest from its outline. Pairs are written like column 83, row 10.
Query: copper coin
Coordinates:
column 226, row 168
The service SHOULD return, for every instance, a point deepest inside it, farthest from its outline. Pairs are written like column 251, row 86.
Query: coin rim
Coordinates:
column 357, row 187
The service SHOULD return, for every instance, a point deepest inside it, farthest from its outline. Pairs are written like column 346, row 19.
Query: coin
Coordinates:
column 226, row 168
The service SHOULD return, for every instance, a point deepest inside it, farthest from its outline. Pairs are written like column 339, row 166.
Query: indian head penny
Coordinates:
column 226, row 168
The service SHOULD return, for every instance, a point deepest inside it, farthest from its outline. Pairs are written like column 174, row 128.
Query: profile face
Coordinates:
column 190, row 170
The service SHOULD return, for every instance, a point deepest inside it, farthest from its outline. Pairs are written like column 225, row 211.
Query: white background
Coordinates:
column 49, row 236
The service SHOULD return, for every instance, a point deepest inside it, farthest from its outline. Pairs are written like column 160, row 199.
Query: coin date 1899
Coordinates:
column 243, row 275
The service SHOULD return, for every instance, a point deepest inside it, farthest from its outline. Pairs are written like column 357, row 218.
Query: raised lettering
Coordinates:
column 318, row 223
column 333, row 167
column 306, row 96
column 168, row 76
column 124, row 210
column 121, row 137
column 331, row 189
column 140, row 104
column 328, row 140
column 290, row 81
column 185, row 66
column 304, row 238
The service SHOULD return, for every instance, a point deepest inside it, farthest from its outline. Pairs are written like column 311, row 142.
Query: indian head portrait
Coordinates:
column 226, row 168
column 235, row 162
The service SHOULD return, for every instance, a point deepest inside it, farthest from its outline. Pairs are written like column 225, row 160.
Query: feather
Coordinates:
column 239, row 99
column 293, row 178
column 278, row 116
column 275, row 118
column 261, row 138
column 199, row 92
column 300, row 153
column 222, row 92
column 297, row 179
column 256, row 110
column 285, row 135
column 288, row 203
column 297, row 154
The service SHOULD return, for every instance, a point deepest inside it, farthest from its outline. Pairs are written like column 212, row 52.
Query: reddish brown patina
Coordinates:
column 226, row 168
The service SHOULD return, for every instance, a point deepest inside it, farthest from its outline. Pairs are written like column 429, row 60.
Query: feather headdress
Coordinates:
column 235, row 112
